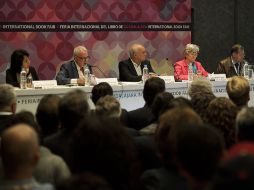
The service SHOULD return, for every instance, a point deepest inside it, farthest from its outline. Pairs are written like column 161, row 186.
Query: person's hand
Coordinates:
column 81, row 81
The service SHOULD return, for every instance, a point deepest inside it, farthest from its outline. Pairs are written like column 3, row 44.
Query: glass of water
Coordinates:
column 250, row 68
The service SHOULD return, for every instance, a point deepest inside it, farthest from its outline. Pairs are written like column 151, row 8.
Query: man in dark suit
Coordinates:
column 72, row 72
column 232, row 66
column 132, row 68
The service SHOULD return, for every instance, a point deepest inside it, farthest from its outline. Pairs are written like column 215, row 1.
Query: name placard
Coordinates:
column 217, row 77
column 112, row 81
column 44, row 84
column 168, row 79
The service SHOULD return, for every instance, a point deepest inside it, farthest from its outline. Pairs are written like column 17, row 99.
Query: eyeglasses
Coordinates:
column 84, row 58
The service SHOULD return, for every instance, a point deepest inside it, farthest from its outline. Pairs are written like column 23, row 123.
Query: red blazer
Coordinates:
column 181, row 70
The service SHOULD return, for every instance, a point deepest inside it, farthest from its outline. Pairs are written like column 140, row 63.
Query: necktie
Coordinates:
column 237, row 68
column 194, row 68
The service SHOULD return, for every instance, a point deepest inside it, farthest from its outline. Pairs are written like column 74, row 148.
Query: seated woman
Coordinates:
column 19, row 60
column 181, row 67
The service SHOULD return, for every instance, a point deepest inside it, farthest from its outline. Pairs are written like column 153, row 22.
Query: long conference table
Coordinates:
column 129, row 95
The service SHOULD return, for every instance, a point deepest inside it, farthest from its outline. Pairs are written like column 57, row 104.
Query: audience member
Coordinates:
column 145, row 143
column 20, row 156
column 142, row 117
column 100, row 90
column 159, row 106
column 132, row 68
column 245, row 124
column 237, row 169
column 73, row 106
column 72, row 72
column 181, row 67
column 7, row 105
column 47, row 114
column 232, row 65
column 197, row 150
column 221, row 114
column 200, row 86
column 168, row 177
column 101, row 146
column 50, row 168
column 20, row 59
column 238, row 89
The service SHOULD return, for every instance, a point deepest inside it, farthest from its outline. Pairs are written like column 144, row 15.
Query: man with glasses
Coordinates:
column 232, row 65
column 72, row 72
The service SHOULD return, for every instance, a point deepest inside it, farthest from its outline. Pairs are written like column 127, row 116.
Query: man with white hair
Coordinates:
column 7, row 104
column 132, row 68
column 72, row 72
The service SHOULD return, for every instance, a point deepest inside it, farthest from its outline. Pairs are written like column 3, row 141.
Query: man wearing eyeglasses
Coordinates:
column 72, row 72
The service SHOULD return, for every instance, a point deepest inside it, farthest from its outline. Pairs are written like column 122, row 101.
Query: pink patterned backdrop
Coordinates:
column 48, row 50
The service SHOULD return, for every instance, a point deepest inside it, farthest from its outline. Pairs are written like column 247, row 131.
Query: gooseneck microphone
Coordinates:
column 95, row 66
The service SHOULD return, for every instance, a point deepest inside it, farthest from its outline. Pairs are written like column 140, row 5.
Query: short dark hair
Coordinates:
column 72, row 108
column 47, row 114
column 152, row 87
column 198, row 149
column 100, row 90
column 236, row 48
column 17, row 60
column 160, row 103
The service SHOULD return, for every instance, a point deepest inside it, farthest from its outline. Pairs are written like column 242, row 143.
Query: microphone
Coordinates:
column 95, row 66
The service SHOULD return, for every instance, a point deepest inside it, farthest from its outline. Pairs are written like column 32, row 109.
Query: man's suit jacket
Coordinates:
column 11, row 77
column 127, row 70
column 67, row 72
column 226, row 67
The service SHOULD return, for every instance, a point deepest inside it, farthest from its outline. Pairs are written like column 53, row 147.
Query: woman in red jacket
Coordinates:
column 181, row 67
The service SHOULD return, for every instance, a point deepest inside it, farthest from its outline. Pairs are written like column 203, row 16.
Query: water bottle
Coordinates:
column 87, row 76
column 145, row 75
column 246, row 70
column 190, row 72
column 23, row 79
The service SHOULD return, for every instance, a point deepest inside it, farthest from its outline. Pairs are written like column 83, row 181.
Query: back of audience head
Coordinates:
column 238, row 89
column 200, row 102
column 197, row 150
column 152, row 87
column 17, row 58
column 47, row 114
column 245, row 124
column 180, row 102
column 85, row 181
column 200, row 86
column 221, row 113
column 108, row 106
column 72, row 108
column 8, row 98
column 100, row 90
column 175, row 117
column 101, row 146
column 237, row 169
column 160, row 103
column 19, row 151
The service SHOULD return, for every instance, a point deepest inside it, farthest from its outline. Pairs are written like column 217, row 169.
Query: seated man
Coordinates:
column 233, row 64
column 73, row 71
column 132, row 68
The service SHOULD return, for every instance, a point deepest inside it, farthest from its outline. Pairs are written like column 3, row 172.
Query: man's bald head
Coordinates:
column 137, row 53
column 19, row 148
